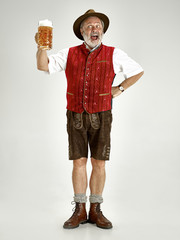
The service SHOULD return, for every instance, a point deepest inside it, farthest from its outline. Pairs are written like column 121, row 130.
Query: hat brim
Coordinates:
column 77, row 23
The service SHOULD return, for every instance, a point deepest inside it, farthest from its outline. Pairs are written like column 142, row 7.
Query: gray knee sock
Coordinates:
column 80, row 197
column 93, row 198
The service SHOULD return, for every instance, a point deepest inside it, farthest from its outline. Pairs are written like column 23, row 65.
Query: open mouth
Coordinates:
column 94, row 37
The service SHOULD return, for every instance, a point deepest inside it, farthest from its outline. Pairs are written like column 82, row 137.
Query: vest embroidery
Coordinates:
column 89, row 79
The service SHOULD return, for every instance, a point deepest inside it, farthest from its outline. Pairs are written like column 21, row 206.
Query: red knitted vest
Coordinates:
column 89, row 79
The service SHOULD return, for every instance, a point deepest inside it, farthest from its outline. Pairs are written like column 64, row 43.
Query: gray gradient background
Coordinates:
column 141, row 195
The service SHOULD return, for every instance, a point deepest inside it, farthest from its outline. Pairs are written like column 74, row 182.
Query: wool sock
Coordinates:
column 94, row 198
column 80, row 197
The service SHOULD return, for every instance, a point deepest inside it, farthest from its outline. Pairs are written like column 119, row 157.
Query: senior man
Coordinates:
column 90, row 70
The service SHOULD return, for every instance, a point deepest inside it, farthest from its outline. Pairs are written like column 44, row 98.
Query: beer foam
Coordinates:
column 45, row 22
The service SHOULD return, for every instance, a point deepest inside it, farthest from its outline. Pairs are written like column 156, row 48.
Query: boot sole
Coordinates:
column 72, row 227
column 100, row 226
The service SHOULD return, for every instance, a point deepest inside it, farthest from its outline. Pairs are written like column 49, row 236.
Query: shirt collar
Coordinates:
column 91, row 50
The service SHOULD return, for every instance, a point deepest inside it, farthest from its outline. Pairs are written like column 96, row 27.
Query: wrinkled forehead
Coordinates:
column 92, row 20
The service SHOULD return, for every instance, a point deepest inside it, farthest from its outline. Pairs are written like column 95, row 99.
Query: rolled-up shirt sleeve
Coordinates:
column 123, row 63
column 57, row 62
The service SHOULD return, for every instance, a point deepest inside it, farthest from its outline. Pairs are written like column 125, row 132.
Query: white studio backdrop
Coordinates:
column 141, row 195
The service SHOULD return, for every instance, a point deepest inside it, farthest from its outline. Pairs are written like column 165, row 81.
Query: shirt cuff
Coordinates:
column 128, row 75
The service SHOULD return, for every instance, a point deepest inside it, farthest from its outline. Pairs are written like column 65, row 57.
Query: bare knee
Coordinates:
column 80, row 163
column 98, row 164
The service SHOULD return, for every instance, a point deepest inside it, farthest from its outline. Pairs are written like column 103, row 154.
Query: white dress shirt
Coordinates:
column 121, row 63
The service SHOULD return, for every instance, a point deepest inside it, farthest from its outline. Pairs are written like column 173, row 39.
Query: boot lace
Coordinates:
column 75, row 208
column 98, row 209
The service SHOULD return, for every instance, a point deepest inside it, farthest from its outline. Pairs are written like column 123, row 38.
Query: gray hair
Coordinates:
column 82, row 24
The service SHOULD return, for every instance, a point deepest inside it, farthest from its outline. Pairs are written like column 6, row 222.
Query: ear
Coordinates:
column 81, row 31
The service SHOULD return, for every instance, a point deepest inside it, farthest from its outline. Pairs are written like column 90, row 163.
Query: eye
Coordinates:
column 89, row 26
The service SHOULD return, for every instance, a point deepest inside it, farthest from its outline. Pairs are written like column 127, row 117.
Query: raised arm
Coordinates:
column 42, row 58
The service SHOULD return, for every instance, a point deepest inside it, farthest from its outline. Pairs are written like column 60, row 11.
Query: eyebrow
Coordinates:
column 94, row 23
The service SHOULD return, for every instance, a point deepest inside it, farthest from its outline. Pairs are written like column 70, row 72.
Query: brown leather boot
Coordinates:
column 79, row 217
column 96, row 216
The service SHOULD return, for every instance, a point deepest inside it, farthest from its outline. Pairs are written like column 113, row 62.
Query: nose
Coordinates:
column 93, row 28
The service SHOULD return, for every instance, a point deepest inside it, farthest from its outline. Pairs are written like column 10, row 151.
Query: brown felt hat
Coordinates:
column 89, row 13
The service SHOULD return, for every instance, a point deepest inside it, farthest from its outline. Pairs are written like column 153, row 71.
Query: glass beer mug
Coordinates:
column 45, row 30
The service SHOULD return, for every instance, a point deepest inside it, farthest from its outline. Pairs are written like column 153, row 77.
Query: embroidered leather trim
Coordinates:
column 77, row 120
column 104, row 94
column 95, row 121
column 70, row 93
column 102, row 61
